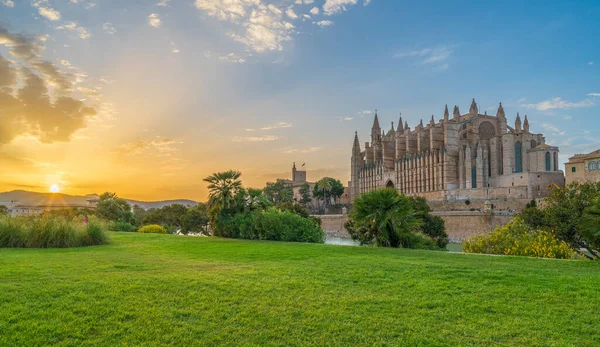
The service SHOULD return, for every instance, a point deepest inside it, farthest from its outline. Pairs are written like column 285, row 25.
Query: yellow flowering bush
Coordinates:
column 153, row 229
column 517, row 238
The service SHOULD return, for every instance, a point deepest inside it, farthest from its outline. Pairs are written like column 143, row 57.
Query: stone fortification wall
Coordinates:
column 500, row 205
column 334, row 225
column 460, row 225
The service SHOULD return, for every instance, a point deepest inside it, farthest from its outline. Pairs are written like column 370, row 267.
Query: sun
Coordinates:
column 54, row 188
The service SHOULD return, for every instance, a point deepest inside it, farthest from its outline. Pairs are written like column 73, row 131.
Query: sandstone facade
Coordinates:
column 460, row 157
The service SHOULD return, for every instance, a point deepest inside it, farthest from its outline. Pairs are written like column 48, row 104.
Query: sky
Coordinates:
column 148, row 97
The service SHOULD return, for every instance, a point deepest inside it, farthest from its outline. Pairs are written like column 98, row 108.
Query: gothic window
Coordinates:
column 555, row 161
column 474, row 177
column 518, row 157
column 592, row 166
column 548, row 164
column 573, row 169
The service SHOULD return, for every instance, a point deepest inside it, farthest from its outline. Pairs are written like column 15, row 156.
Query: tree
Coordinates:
column 257, row 200
column 590, row 225
column 169, row 216
column 305, row 197
column 328, row 187
column 279, row 192
column 432, row 226
column 139, row 214
column 564, row 214
column 3, row 210
column 223, row 187
column 384, row 217
column 113, row 208
column 195, row 219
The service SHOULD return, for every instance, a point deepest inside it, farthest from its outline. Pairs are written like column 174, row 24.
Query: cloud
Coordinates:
column 290, row 13
column 21, row 46
column 314, row 11
column 256, row 138
column 73, row 27
column 429, row 55
column 559, row 103
column 331, row 7
column 154, row 20
column 261, row 27
column 324, row 23
column 7, row 3
column 594, row 94
column 232, row 58
column 365, row 113
column 302, row 150
column 48, row 13
column 279, row 125
column 26, row 105
column 366, row 3
column 590, row 63
column 109, row 28
column 163, row 3
column 161, row 145
column 345, row 119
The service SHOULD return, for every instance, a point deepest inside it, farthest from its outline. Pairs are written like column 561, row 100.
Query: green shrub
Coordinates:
column 121, row 226
column 153, row 229
column 271, row 224
column 50, row 232
column 518, row 238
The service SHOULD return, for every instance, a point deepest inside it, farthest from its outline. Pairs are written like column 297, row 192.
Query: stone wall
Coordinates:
column 334, row 225
column 460, row 225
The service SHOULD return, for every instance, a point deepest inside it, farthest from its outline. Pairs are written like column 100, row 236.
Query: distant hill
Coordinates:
column 33, row 198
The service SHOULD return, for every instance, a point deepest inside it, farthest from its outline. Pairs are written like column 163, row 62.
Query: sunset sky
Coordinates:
column 148, row 97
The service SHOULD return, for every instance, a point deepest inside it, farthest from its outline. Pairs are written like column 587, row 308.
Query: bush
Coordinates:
column 121, row 226
column 50, row 232
column 272, row 224
column 152, row 229
column 518, row 238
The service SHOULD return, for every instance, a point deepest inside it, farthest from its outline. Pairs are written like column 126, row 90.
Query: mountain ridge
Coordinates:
column 25, row 197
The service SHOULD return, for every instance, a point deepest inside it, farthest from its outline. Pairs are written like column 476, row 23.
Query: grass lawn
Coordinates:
column 164, row 289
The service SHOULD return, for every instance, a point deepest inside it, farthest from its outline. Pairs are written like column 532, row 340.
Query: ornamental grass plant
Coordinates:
column 50, row 232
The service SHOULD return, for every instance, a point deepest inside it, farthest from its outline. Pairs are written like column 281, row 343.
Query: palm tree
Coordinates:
column 324, row 185
column 223, row 187
column 385, row 217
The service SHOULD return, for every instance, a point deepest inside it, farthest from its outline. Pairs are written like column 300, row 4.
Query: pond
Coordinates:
column 341, row 241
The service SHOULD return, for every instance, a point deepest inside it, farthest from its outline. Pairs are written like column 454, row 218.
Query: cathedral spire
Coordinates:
column 406, row 127
column 518, row 123
column 376, row 121
column 456, row 113
column 500, row 113
column 400, row 125
column 432, row 122
column 526, row 124
column 355, row 145
column 421, row 123
column 446, row 114
column 473, row 111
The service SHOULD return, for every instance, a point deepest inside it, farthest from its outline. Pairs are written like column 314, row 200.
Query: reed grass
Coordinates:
column 50, row 232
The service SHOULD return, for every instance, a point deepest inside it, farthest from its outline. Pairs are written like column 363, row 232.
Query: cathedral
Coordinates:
column 461, row 157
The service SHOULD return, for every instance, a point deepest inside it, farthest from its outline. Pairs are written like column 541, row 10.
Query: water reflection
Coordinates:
column 341, row 241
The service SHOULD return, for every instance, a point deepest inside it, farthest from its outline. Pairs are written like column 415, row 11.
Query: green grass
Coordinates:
column 148, row 289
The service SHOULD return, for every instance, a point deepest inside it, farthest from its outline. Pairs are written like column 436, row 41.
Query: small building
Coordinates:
column 583, row 168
